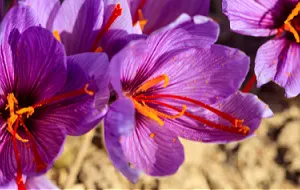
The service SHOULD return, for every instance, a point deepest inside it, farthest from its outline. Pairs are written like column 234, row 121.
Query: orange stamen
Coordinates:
column 138, row 15
column 288, row 23
column 115, row 14
column 154, row 114
column 56, row 35
column 250, row 84
column 153, row 82
column 78, row 92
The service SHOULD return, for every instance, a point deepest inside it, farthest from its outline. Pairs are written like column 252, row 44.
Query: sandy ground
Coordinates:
column 271, row 160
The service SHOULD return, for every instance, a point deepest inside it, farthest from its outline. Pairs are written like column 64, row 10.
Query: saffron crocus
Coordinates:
column 277, row 59
column 36, row 183
column 44, row 95
column 176, row 83
column 152, row 14
column 85, row 25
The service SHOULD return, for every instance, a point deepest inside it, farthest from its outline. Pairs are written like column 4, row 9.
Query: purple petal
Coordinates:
column 4, row 179
column 44, row 10
column 154, row 149
column 40, row 65
column 120, row 120
column 205, row 74
column 48, row 139
column 188, row 31
column 39, row 183
column 10, row 185
column 79, row 23
column 79, row 114
column 17, row 20
column 256, row 17
column 239, row 105
column 268, row 59
column 161, row 13
column 278, row 60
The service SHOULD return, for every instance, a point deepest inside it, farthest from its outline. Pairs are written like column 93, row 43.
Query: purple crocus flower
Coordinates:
column 152, row 14
column 278, row 59
column 36, row 183
column 44, row 95
column 85, row 25
column 176, row 83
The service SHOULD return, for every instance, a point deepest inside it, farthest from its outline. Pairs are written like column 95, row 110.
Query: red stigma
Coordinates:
column 249, row 84
column 115, row 14
column 19, row 179
column 140, row 102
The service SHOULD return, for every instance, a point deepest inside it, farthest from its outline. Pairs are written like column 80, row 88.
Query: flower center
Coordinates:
column 141, row 104
column 292, row 23
column 15, row 120
column 139, row 17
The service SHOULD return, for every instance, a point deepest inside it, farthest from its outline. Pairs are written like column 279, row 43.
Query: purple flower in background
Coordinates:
column 44, row 95
column 176, row 84
column 153, row 14
column 278, row 59
column 36, row 183
column 84, row 25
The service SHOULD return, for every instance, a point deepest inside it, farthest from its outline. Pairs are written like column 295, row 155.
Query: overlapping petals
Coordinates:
column 161, row 13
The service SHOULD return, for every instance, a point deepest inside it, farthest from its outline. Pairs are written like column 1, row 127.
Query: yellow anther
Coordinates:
column 288, row 25
column 142, row 21
column 153, row 82
column 148, row 112
column 99, row 49
column 154, row 114
column 56, row 35
column 28, row 111
column 152, row 135
column 12, row 101
column 89, row 92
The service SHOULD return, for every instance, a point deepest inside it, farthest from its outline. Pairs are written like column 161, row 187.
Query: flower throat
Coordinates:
column 16, row 120
column 140, row 101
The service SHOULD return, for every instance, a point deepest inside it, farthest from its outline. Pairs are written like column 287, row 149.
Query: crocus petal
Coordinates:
column 255, row 17
column 10, row 185
column 188, row 31
column 268, row 59
column 242, row 106
column 205, row 74
column 18, row 19
column 39, row 183
column 4, row 135
column 79, row 23
column 40, row 55
column 78, row 114
column 154, row 149
column 161, row 13
column 44, row 10
column 120, row 120
column 278, row 60
column 48, row 137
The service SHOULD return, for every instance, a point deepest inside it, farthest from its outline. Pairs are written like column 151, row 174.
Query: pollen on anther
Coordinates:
column 152, row 135
column 174, row 140
column 56, row 35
